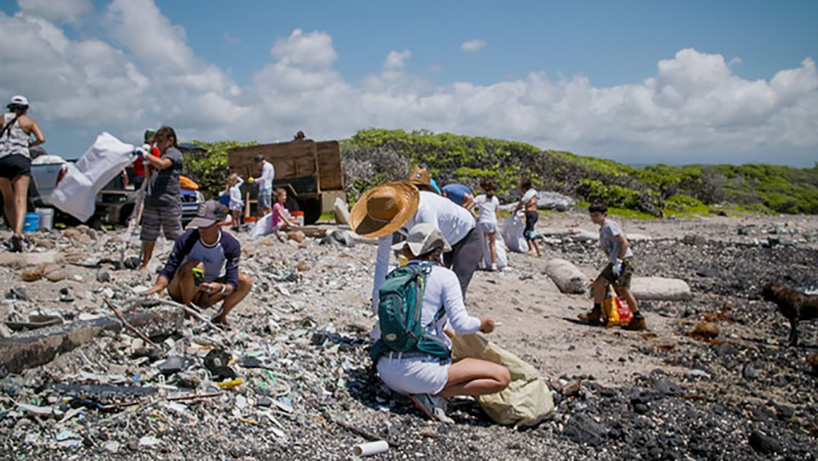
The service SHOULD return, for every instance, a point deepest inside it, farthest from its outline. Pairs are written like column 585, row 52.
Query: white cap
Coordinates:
column 19, row 100
column 423, row 238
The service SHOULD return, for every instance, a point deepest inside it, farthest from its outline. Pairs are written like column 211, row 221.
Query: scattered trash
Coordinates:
column 370, row 448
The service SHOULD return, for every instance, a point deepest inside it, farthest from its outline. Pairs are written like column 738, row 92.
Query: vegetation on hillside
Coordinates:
column 209, row 168
column 373, row 156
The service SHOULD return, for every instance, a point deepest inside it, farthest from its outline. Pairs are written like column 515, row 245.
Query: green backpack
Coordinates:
column 400, row 304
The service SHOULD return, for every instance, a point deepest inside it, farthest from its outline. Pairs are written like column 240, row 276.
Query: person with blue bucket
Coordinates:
column 15, row 167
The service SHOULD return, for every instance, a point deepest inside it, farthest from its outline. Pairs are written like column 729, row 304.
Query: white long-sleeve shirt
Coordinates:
column 455, row 222
column 235, row 194
column 443, row 289
column 268, row 173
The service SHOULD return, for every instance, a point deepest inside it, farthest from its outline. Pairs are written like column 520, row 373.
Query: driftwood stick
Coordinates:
column 194, row 397
column 199, row 316
column 129, row 326
column 357, row 430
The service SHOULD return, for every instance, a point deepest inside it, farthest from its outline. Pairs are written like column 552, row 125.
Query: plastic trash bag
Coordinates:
column 513, row 228
column 526, row 400
column 76, row 193
column 263, row 226
column 500, row 248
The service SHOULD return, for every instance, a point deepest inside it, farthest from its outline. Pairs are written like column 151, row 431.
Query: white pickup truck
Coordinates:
column 46, row 172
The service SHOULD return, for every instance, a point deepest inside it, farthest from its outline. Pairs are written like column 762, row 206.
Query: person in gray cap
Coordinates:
column 15, row 165
column 203, row 267
column 429, row 379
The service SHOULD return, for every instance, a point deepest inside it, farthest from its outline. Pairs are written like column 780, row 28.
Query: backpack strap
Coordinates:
column 7, row 126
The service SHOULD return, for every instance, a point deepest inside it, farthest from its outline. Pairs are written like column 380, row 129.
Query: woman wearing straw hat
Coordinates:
column 395, row 207
column 427, row 379
column 15, row 164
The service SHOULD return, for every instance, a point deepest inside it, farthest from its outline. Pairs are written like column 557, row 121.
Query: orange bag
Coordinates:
column 187, row 183
column 615, row 310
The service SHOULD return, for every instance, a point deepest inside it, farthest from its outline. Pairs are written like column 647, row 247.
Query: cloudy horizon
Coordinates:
column 124, row 66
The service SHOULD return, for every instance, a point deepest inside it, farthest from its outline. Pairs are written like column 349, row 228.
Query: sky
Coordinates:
column 639, row 82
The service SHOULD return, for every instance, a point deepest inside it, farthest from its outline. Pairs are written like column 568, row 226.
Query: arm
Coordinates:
column 381, row 268
column 283, row 217
column 160, row 163
column 497, row 209
column 232, row 254
column 38, row 134
column 180, row 250
column 459, row 319
column 624, row 244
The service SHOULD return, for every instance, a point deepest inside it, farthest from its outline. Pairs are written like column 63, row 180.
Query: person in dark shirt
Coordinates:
column 213, row 253
column 163, row 203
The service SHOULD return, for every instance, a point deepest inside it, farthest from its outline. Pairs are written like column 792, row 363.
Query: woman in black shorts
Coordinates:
column 15, row 165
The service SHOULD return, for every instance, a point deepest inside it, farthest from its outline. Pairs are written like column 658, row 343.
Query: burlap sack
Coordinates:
column 526, row 400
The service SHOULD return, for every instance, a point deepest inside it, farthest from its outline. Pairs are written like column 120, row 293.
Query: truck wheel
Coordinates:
column 312, row 211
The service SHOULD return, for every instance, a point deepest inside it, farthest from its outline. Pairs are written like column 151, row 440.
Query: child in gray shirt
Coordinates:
column 618, row 272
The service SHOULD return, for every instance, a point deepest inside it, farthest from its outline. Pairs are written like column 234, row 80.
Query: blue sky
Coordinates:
column 636, row 81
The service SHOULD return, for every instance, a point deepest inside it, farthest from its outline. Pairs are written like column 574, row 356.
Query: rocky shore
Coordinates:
column 305, row 388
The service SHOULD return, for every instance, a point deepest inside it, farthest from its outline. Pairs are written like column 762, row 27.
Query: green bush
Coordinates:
column 209, row 168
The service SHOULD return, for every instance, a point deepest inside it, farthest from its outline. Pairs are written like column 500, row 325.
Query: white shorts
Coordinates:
column 488, row 227
column 414, row 375
column 236, row 206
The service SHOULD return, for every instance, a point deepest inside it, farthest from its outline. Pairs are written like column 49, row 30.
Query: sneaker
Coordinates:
column 15, row 244
column 594, row 317
column 636, row 324
column 433, row 407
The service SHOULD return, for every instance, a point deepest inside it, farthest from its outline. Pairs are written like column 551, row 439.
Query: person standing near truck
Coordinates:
column 15, row 165
column 163, row 205
column 265, row 185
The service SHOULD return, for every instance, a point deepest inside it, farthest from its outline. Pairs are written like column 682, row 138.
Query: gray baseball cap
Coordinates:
column 423, row 238
column 209, row 213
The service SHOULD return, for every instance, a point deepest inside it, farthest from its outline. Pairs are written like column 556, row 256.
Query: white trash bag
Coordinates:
column 102, row 162
column 513, row 228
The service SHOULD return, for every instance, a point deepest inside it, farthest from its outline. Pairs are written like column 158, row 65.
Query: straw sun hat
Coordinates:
column 421, row 179
column 384, row 209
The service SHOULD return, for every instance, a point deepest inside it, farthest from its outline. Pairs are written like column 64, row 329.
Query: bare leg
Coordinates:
column 182, row 288
column 236, row 218
column 475, row 377
column 600, row 286
column 20, row 192
column 536, row 246
column 241, row 291
column 626, row 293
column 8, row 201
column 493, row 247
column 147, row 253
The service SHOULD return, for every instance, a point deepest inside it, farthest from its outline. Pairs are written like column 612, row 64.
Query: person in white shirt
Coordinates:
column 395, row 207
column 488, row 207
column 265, row 185
column 528, row 202
column 236, row 204
column 425, row 378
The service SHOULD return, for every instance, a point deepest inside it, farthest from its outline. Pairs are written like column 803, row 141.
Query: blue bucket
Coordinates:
column 224, row 199
column 31, row 222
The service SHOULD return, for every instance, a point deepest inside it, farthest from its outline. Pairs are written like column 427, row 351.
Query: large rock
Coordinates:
column 566, row 276
column 660, row 289
column 554, row 201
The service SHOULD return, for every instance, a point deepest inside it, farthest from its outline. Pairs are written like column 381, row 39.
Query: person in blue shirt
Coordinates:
column 207, row 249
column 459, row 194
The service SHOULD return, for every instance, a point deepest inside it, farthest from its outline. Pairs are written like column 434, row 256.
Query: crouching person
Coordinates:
column 414, row 357
column 203, row 267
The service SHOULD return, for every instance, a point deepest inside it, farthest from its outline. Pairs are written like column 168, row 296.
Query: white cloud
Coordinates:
column 694, row 109
column 312, row 50
column 473, row 46
column 68, row 11
column 395, row 59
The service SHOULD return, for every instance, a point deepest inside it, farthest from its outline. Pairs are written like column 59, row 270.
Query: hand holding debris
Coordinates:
column 486, row 325
column 158, row 287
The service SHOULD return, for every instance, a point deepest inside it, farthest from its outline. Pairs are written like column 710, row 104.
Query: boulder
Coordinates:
column 554, row 201
column 660, row 289
column 566, row 276
column 341, row 210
